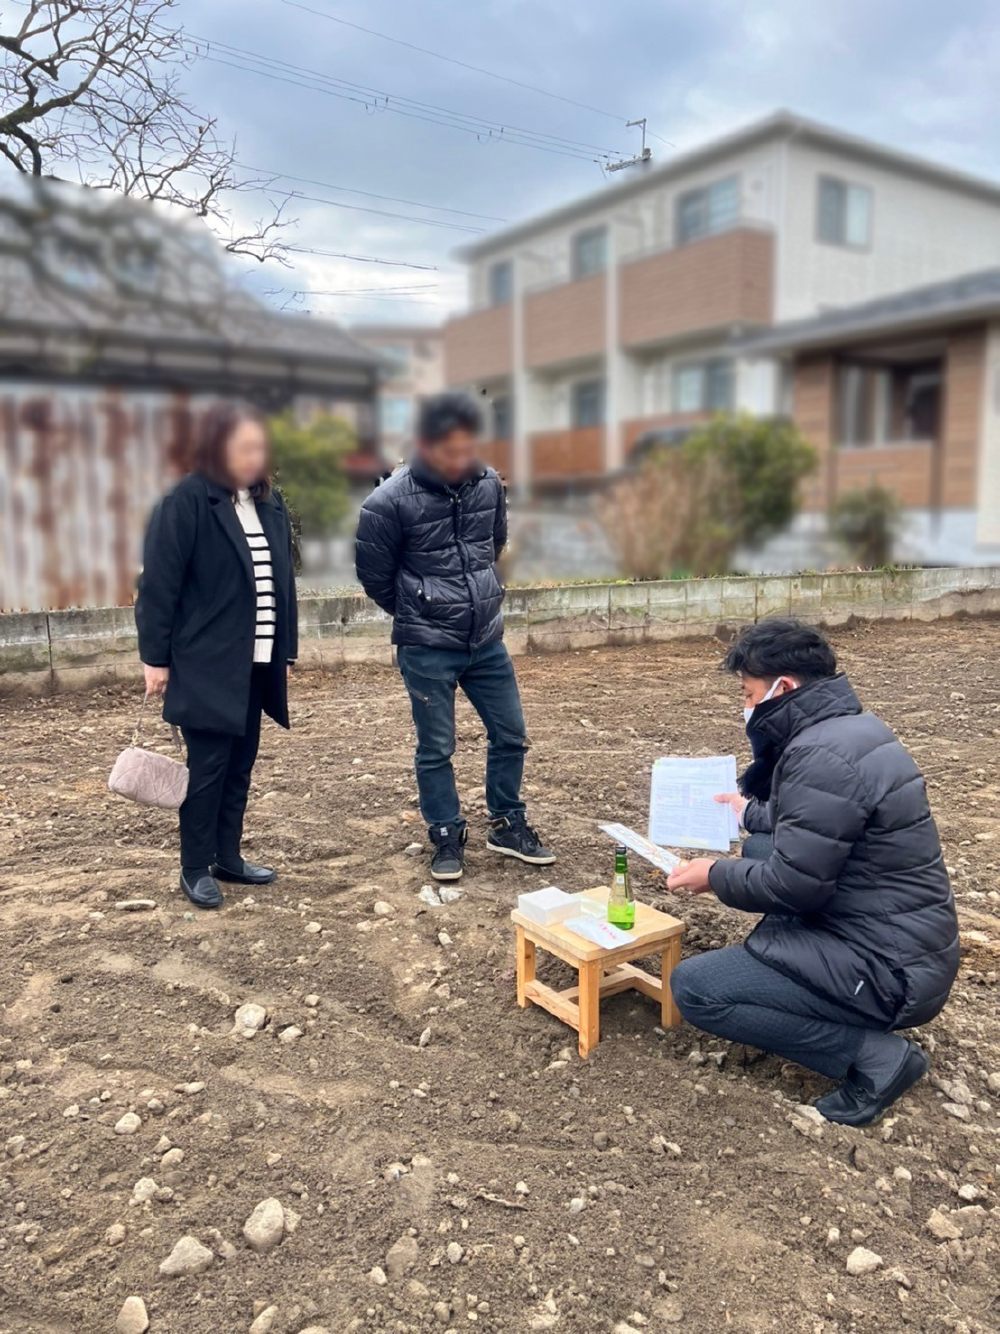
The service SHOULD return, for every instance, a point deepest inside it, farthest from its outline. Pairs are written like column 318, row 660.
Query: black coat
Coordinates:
column 856, row 897
column 426, row 554
column 196, row 609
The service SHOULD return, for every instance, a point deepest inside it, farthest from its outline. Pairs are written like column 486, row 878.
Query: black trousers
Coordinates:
column 219, row 769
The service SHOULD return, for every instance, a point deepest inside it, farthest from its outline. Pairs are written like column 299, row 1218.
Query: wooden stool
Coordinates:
column 602, row 972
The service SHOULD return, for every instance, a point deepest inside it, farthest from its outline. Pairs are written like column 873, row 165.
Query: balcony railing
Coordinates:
column 561, row 455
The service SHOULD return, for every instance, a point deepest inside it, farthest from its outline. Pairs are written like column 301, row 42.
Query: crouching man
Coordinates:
column 859, row 936
column 428, row 542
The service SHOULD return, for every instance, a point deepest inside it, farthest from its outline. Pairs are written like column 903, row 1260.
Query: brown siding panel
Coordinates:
column 965, row 364
column 575, row 453
column 719, row 280
column 906, row 470
column 565, row 323
column 812, row 410
column 478, row 346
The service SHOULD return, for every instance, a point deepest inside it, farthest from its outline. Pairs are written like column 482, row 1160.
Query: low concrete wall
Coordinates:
column 65, row 650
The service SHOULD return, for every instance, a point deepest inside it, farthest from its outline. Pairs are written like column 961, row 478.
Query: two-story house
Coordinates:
column 636, row 306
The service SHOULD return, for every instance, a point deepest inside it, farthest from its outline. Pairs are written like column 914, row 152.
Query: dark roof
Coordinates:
column 779, row 125
column 969, row 296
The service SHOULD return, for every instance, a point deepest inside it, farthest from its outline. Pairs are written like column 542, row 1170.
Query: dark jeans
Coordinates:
column 486, row 675
column 733, row 995
column 219, row 769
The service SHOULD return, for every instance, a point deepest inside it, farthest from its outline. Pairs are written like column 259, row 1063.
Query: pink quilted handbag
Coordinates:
column 148, row 777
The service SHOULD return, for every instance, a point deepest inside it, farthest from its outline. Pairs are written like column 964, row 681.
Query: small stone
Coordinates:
column 941, row 1226
column 601, row 1140
column 132, row 1318
column 449, row 894
column 265, row 1321
column 414, row 849
column 313, row 928
column 902, row 1175
column 993, row 1082
column 971, row 1192
column 401, row 1256
column 382, row 909
column 311, row 1001
column 289, row 1034
column 833, row 1237
column 143, row 1190
column 189, row 1090
column 135, row 905
column 172, row 1158
column 444, row 939
column 863, row 1261
column 669, row 1310
column 577, row 1205
column 521, row 1188
column 115, row 1234
column 425, row 1037
column 378, row 1276
column 128, row 1124
column 454, row 1252
column 428, row 895
column 956, row 1109
column 442, row 1312
column 265, row 1227
column 899, row 1277
column 250, row 1019
column 72, row 1110
column 189, row 1256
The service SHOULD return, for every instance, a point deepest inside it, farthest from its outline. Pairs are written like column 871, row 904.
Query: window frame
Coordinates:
column 579, row 239
column 505, row 266
column 825, row 178
column 407, row 405
column 599, row 384
column 705, row 366
column 703, row 193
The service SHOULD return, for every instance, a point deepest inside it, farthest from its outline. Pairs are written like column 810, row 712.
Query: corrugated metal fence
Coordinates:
column 79, row 471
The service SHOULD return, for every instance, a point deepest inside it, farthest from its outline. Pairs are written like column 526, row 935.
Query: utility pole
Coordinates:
column 640, row 158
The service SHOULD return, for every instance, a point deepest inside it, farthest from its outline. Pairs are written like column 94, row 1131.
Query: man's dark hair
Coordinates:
column 444, row 413
column 778, row 646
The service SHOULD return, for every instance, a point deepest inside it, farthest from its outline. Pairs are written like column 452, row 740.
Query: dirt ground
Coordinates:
column 708, row 1203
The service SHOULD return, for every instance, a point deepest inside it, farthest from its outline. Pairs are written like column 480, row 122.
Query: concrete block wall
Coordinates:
column 65, row 650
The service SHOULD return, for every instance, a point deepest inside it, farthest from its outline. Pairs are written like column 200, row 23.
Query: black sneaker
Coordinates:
column 857, row 1102
column 512, row 836
column 449, row 841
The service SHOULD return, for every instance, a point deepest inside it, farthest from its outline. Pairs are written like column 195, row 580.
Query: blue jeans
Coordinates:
column 486, row 675
column 733, row 995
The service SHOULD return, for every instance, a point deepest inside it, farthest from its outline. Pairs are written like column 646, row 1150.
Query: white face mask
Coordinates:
column 748, row 712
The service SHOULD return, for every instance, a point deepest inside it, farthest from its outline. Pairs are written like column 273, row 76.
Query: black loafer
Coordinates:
column 248, row 874
column 204, row 893
column 857, row 1103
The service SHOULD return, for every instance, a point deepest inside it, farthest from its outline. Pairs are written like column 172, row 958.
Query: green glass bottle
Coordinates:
column 621, row 904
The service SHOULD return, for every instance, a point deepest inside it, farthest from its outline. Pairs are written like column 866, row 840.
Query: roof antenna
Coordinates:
column 641, row 158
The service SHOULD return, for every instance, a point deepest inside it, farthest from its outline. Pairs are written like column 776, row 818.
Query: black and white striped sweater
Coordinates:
column 260, row 554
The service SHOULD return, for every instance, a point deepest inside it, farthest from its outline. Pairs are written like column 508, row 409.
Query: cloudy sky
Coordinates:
column 302, row 89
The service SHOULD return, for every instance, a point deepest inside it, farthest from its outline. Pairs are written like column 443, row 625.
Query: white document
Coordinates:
column 682, row 812
column 661, row 859
column 598, row 931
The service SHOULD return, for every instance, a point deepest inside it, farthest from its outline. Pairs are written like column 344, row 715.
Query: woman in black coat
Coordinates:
column 218, row 631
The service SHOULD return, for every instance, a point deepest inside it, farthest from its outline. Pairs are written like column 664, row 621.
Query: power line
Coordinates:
column 383, row 213
column 361, row 259
column 451, row 60
column 392, row 199
column 375, row 99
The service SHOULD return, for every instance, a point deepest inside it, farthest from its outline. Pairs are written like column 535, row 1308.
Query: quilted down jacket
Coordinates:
column 855, row 896
column 426, row 554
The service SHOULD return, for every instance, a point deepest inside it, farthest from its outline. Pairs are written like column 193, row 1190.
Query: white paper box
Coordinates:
column 546, row 906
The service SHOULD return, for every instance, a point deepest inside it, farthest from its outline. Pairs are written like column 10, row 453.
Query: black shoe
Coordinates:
column 512, row 836
column 248, row 874
column 857, row 1103
column 201, row 889
column 449, row 841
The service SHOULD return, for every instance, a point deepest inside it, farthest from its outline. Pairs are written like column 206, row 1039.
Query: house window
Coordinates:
column 503, row 417
column 588, row 403
column 711, row 209
column 395, row 415
column 590, row 252
column 501, row 281
column 888, row 405
column 704, row 386
column 845, row 213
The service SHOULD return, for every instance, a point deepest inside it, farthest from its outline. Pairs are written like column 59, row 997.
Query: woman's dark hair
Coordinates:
column 217, row 425
column 778, row 646
column 444, row 413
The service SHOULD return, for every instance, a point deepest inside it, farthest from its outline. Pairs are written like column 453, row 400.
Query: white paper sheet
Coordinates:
column 600, row 932
column 682, row 813
column 661, row 859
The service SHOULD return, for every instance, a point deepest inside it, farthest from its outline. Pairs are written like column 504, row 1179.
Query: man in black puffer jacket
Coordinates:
column 859, row 936
column 428, row 542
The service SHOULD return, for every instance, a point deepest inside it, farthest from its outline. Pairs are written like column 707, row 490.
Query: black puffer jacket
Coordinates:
column 426, row 554
column 856, row 898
